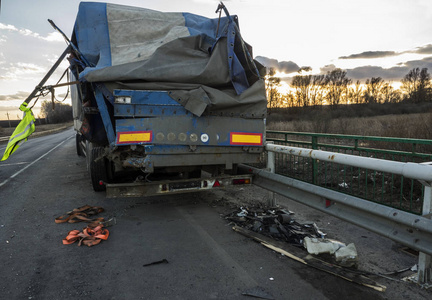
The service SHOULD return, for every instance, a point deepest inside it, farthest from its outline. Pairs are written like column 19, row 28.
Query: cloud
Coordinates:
column 422, row 63
column 51, row 37
column 21, row 71
column 427, row 49
column 20, row 95
column 25, row 57
column 281, row 66
column 365, row 72
column 394, row 73
column 327, row 68
column 371, row 54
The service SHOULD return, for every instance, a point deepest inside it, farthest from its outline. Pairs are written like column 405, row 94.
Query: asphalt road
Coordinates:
column 206, row 259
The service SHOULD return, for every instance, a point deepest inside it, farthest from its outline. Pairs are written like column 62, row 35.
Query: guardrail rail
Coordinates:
column 381, row 184
column 385, row 188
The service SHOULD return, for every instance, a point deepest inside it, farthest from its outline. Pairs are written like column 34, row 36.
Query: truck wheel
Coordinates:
column 98, row 170
column 79, row 149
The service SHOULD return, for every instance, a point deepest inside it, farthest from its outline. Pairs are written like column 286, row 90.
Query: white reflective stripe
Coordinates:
column 23, row 132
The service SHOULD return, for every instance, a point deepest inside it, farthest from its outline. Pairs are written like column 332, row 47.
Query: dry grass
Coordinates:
column 404, row 126
column 39, row 128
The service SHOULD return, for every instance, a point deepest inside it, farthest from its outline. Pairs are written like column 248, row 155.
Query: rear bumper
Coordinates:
column 140, row 189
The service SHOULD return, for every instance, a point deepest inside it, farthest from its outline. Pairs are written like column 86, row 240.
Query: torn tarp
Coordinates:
column 180, row 52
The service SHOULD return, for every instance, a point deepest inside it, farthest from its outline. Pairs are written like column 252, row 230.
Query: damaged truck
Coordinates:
column 164, row 102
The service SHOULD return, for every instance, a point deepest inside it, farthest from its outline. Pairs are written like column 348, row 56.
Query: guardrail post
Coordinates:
column 314, row 161
column 424, row 264
column 271, row 158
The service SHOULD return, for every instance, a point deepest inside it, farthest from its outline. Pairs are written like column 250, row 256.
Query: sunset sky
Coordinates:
column 368, row 38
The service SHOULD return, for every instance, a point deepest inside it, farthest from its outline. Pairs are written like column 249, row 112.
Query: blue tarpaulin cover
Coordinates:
column 192, row 56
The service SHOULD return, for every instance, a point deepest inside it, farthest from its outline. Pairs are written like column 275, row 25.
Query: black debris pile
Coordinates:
column 276, row 223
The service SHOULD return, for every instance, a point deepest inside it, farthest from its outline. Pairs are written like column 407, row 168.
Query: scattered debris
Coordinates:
column 298, row 254
column 415, row 279
column 319, row 245
column 347, row 256
column 243, row 212
column 258, row 292
column 413, row 268
column 343, row 254
column 278, row 230
column 344, row 185
column 163, row 261
column 110, row 222
column 277, row 223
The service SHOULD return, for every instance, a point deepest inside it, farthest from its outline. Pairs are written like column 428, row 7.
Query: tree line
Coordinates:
column 336, row 88
column 56, row 113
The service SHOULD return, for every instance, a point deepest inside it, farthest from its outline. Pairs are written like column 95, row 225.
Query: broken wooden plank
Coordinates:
column 298, row 254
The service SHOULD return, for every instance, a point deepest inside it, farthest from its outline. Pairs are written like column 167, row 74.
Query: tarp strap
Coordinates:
column 89, row 236
column 81, row 214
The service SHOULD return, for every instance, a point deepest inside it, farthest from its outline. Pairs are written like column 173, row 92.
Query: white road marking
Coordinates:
column 23, row 169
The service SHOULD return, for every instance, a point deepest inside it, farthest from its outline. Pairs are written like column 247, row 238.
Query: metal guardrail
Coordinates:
column 398, row 191
column 409, row 229
column 404, row 227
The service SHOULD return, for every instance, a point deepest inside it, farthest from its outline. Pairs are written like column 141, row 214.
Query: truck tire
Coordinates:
column 98, row 169
column 79, row 149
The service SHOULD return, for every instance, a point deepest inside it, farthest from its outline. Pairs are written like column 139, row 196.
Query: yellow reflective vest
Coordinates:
column 24, row 129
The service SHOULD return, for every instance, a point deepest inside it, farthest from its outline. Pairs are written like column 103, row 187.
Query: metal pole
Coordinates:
column 424, row 264
column 314, row 161
column 271, row 157
column 48, row 75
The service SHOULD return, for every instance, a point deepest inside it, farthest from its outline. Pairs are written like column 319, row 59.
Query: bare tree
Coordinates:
column 356, row 93
column 317, row 90
column 336, row 82
column 373, row 93
column 302, row 85
column 417, row 85
column 288, row 100
column 272, row 85
column 389, row 94
column 61, row 112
